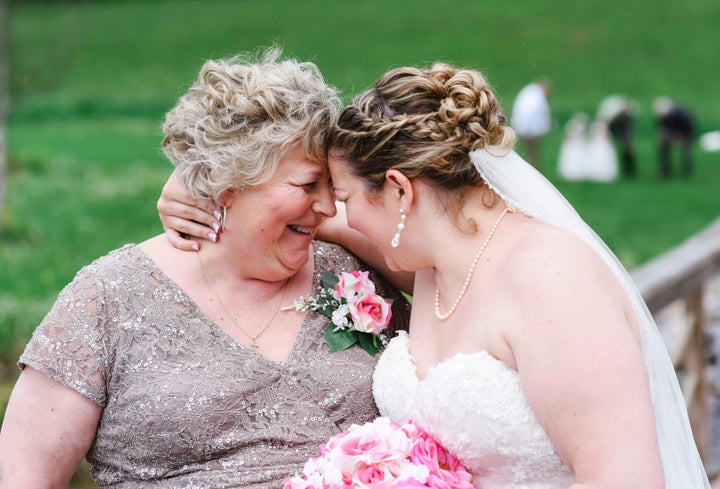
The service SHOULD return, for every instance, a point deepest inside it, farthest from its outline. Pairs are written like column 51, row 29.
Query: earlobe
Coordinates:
column 223, row 202
column 225, row 198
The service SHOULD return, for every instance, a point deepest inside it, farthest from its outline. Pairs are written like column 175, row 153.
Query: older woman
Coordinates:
column 176, row 369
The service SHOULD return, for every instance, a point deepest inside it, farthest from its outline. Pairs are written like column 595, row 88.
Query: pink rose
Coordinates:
column 377, row 443
column 370, row 313
column 366, row 448
column 446, row 471
column 353, row 283
column 373, row 476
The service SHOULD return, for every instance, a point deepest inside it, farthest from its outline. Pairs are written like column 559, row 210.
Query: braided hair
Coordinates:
column 423, row 123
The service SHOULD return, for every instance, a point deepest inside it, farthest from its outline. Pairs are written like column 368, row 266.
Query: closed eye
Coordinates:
column 310, row 185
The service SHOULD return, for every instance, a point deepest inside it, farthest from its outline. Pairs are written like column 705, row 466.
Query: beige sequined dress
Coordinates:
column 185, row 405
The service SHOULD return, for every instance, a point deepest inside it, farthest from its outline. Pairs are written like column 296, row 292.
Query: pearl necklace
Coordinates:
column 468, row 278
column 253, row 339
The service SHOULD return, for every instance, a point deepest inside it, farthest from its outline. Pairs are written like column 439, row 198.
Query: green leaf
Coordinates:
column 329, row 279
column 369, row 342
column 340, row 340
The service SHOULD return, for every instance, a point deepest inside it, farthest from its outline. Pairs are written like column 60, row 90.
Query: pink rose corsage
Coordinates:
column 357, row 314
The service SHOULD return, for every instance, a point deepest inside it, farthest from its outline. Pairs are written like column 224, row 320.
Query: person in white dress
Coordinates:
column 572, row 158
column 530, row 354
column 584, row 157
column 602, row 160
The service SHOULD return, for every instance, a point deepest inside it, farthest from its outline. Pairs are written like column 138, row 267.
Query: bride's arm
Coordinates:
column 581, row 366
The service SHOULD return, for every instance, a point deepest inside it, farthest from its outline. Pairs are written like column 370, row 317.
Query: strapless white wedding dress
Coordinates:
column 473, row 405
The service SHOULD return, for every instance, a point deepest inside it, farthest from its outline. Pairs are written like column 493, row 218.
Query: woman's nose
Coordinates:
column 325, row 201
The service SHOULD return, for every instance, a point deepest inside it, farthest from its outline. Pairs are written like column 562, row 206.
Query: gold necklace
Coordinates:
column 253, row 339
column 468, row 278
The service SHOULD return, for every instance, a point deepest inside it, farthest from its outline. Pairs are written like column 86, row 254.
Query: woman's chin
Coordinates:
column 392, row 265
column 295, row 258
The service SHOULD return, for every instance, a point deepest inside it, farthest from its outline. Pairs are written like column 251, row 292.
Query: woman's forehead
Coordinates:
column 338, row 166
column 296, row 162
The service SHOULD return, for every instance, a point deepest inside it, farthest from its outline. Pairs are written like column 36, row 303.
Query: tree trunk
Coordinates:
column 4, row 101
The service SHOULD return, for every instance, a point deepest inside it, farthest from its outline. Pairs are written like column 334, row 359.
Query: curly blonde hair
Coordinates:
column 423, row 122
column 241, row 116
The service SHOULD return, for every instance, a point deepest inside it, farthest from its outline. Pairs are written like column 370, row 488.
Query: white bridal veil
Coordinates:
column 521, row 186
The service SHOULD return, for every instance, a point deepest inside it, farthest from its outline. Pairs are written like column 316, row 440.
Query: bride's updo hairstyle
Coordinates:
column 424, row 123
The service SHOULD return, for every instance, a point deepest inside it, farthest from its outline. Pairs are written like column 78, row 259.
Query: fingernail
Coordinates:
column 216, row 227
column 217, row 214
column 212, row 237
column 195, row 247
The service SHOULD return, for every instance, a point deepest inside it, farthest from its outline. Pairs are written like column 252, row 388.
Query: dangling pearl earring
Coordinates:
column 222, row 219
column 401, row 225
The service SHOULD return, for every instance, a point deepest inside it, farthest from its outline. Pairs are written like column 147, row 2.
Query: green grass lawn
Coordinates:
column 91, row 81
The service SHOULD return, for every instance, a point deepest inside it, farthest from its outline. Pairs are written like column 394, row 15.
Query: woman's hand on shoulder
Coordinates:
column 580, row 362
column 182, row 215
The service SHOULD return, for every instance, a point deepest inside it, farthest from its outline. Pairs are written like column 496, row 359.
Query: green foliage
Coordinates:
column 91, row 81
column 3, row 405
column 5, row 389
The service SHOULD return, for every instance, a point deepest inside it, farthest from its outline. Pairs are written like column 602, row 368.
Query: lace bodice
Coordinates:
column 474, row 405
column 184, row 405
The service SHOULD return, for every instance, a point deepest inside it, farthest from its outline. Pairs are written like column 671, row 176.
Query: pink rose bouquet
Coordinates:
column 382, row 455
column 357, row 314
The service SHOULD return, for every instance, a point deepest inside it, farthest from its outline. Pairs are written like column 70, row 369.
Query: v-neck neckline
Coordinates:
column 218, row 331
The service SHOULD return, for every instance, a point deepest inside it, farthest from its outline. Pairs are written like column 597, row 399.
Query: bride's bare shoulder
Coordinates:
column 547, row 254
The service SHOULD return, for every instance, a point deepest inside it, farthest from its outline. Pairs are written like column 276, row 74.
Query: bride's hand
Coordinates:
column 184, row 217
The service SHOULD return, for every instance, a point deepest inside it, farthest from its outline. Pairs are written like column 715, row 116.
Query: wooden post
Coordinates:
column 683, row 273
column 694, row 362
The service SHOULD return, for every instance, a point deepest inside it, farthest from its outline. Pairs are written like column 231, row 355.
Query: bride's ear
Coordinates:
column 401, row 188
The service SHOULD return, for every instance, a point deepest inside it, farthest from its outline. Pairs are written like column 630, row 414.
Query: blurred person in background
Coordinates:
column 572, row 157
column 618, row 113
column 676, row 127
column 602, row 160
column 531, row 119
column 586, row 156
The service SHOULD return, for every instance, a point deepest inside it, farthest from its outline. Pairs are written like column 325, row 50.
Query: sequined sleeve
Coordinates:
column 71, row 344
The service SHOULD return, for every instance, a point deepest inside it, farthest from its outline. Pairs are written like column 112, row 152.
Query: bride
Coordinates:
column 531, row 355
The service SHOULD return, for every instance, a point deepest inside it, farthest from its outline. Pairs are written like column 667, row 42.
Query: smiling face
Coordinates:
column 366, row 213
column 270, row 226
